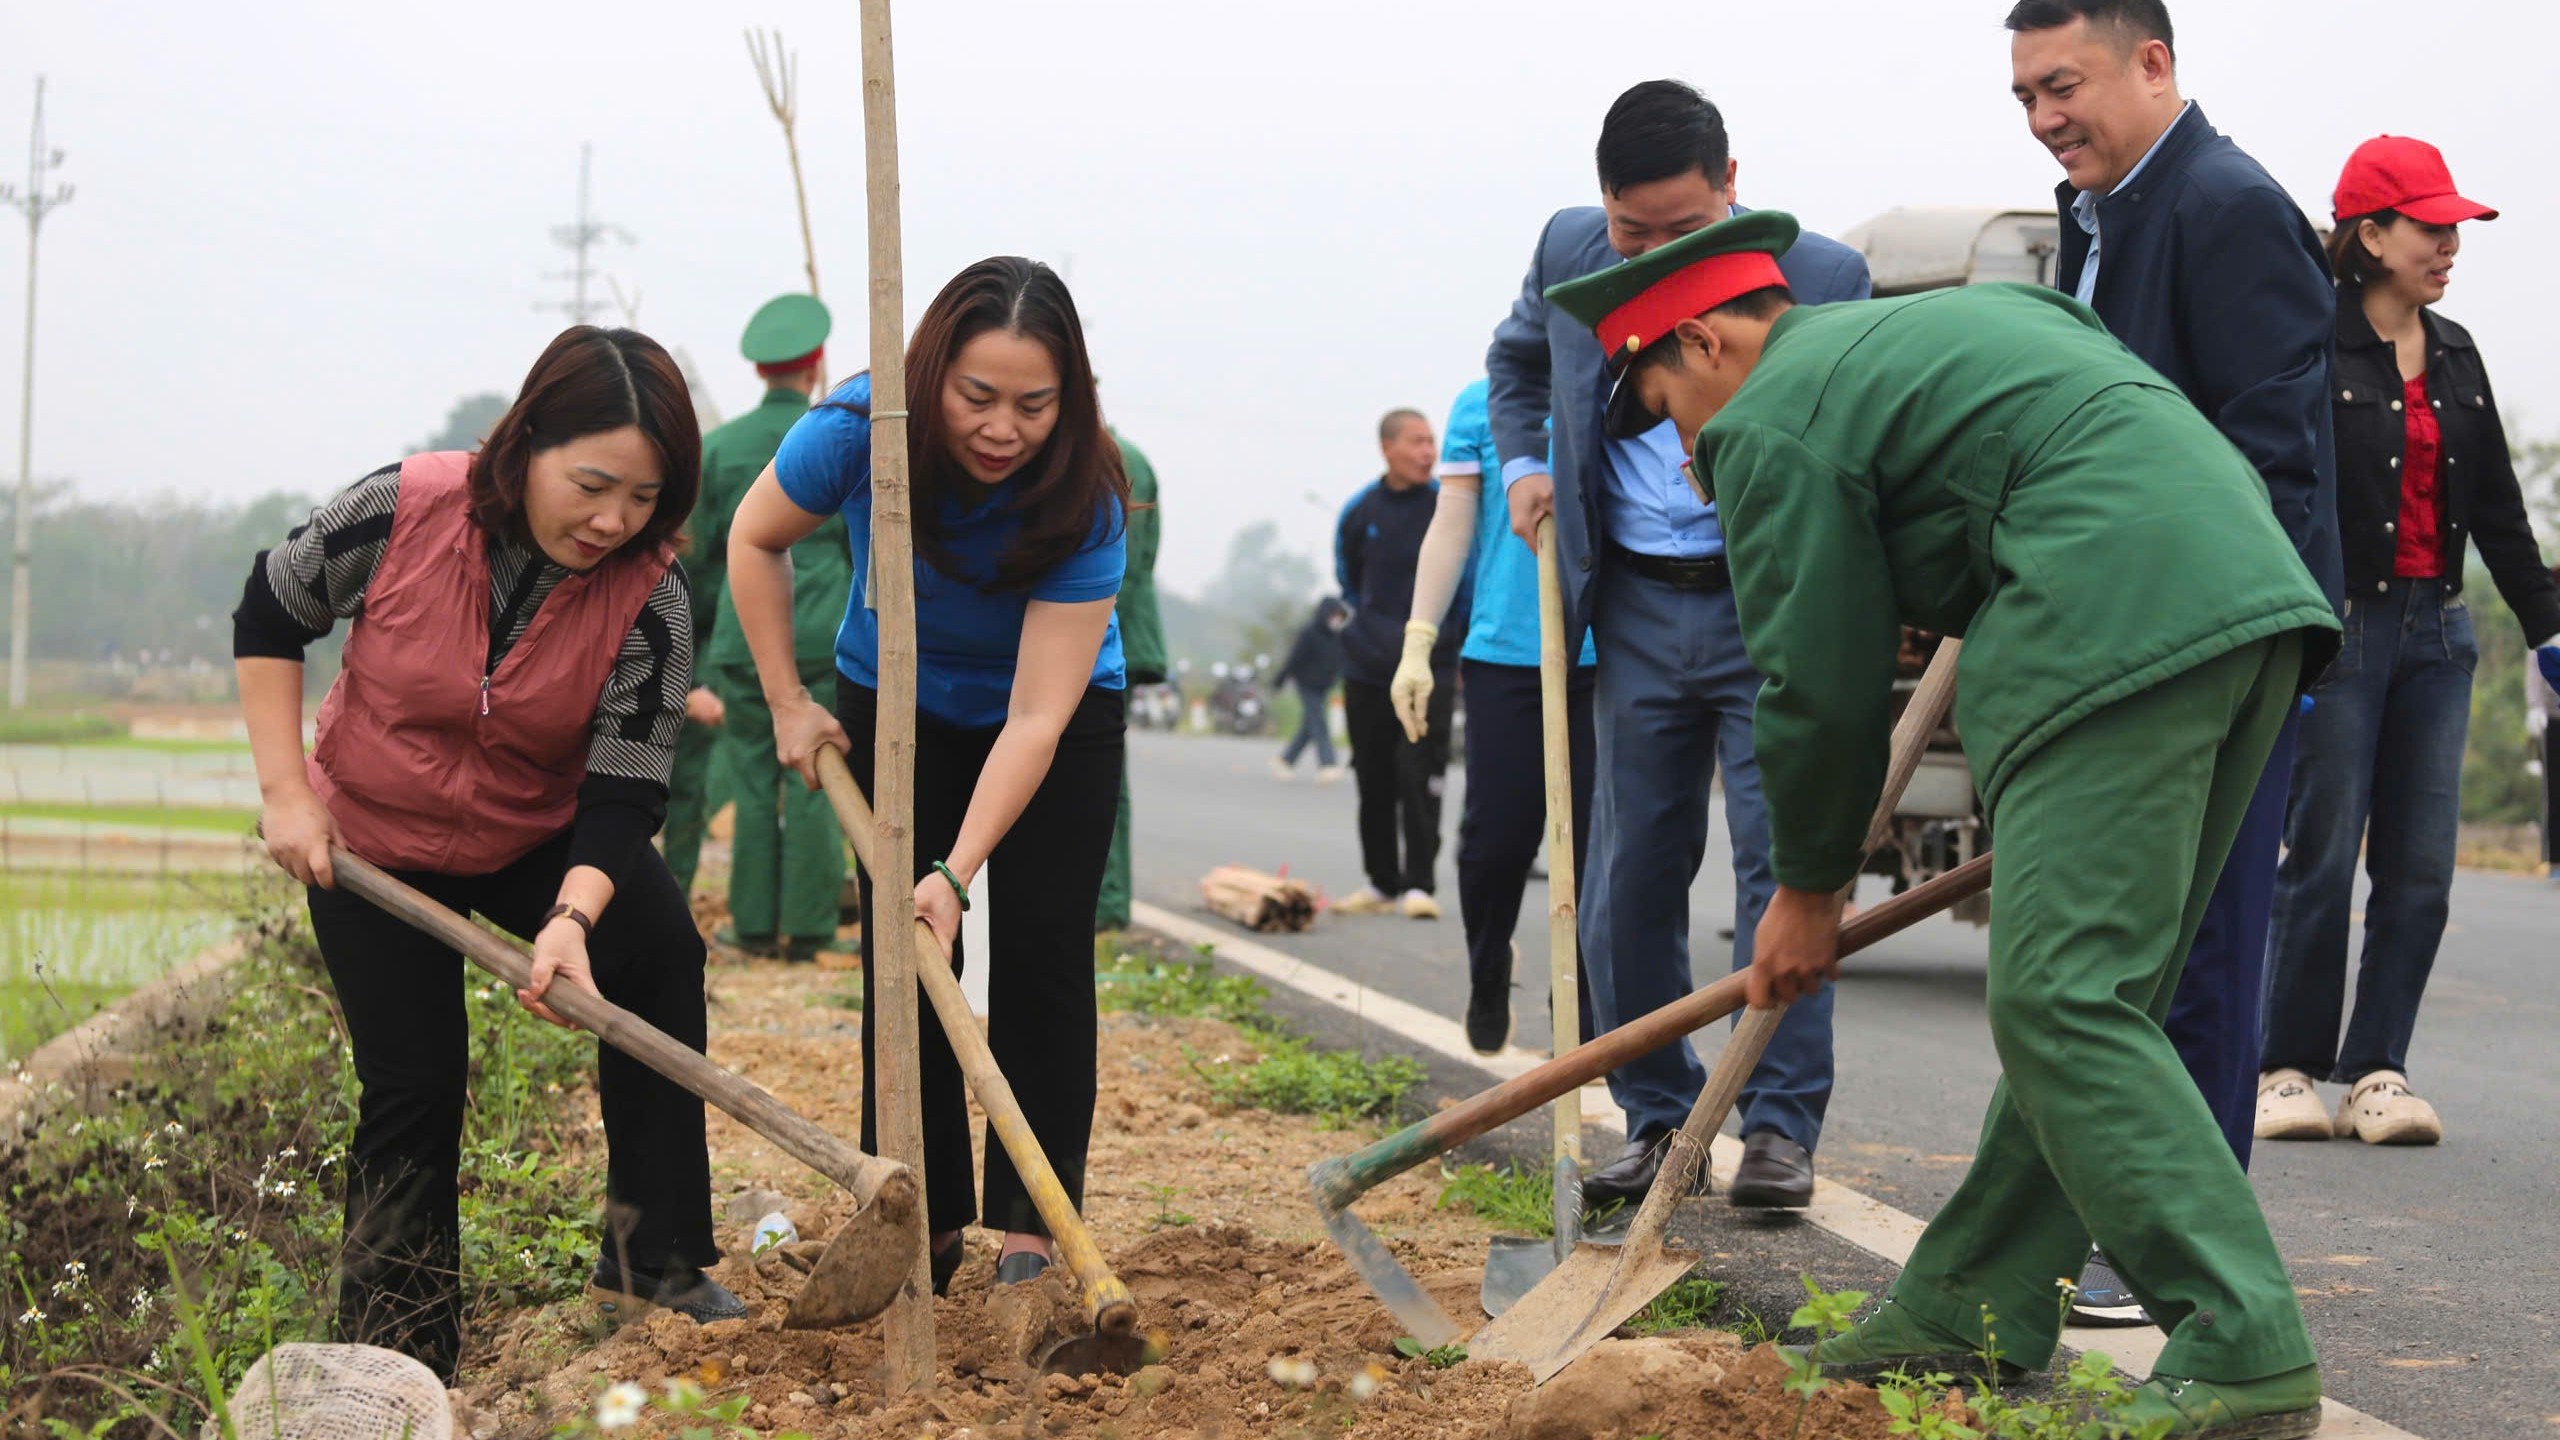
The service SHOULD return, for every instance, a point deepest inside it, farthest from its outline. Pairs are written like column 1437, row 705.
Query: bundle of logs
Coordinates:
column 1259, row 901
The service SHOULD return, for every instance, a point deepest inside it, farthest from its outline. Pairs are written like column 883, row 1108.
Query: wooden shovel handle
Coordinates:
column 1107, row 1301
column 1564, row 1002
column 745, row 1101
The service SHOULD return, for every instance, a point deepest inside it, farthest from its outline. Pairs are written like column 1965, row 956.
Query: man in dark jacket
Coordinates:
column 2201, row 264
column 1377, row 546
column 1644, row 568
column 1313, row 667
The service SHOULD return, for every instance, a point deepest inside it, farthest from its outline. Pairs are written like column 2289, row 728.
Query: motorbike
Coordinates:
column 1237, row 704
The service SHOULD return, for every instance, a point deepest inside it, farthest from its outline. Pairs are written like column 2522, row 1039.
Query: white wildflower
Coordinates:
column 75, row 1269
column 287, row 1153
column 619, row 1407
column 131, row 1204
column 141, row 1303
column 1364, row 1384
column 1294, row 1371
column 173, row 1129
column 525, row 1258
column 152, row 1162
column 32, row 1316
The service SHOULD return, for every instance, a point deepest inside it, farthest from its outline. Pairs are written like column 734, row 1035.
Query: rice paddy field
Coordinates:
column 72, row 942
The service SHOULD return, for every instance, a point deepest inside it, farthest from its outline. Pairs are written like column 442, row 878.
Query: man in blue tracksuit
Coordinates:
column 1644, row 568
column 2202, row 265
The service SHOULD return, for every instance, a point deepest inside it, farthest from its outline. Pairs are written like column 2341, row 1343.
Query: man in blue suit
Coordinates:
column 2202, row 265
column 1644, row 569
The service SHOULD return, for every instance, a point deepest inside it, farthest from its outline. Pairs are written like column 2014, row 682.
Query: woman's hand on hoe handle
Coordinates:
column 559, row 955
column 299, row 831
column 800, row 726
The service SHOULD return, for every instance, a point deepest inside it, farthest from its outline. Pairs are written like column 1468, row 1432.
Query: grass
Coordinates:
column 70, row 943
column 41, row 726
column 141, row 817
column 1693, row 1304
column 162, row 1245
column 1515, row 1199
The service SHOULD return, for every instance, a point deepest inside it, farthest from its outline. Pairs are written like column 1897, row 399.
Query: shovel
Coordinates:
column 1514, row 1263
column 1113, row 1346
column 1335, row 1183
column 1599, row 1288
column 871, row 1254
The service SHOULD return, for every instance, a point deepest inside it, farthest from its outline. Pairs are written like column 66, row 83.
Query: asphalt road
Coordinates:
column 2428, row 1275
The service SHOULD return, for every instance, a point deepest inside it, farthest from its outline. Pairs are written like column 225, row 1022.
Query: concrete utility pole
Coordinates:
column 36, row 203
column 578, row 238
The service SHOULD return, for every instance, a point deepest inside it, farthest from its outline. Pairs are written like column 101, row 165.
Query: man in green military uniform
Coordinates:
column 1142, row 646
column 786, row 876
column 1989, row 463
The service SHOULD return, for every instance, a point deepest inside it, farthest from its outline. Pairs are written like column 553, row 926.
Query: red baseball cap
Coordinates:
column 2394, row 172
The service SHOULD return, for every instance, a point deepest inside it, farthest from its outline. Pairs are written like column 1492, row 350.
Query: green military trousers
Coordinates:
column 787, row 875
column 690, row 800
column 2110, row 839
column 1111, row 911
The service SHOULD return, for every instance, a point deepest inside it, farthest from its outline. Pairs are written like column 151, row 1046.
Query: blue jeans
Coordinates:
column 1674, row 701
column 1315, row 726
column 2381, row 765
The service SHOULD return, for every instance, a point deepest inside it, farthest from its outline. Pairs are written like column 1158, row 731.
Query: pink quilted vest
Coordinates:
column 429, row 761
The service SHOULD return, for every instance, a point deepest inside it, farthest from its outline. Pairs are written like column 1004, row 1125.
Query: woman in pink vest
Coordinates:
column 500, row 736
column 1020, row 535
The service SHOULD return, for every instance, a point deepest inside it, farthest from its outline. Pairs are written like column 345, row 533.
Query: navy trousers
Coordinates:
column 1673, row 702
column 2217, row 1011
column 1504, row 823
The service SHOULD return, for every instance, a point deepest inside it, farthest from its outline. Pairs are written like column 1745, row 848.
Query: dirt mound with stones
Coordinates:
column 1262, row 1328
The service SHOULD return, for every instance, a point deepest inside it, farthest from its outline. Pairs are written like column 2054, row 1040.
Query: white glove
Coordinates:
column 1410, row 691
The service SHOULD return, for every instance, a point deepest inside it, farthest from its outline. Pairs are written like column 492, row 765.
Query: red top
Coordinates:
column 2420, row 553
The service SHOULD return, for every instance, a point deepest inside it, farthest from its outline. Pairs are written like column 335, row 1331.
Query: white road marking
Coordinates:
column 1860, row 1219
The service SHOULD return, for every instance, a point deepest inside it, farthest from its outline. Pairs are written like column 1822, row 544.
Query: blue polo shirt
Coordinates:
column 966, row 637
column 1503, row 628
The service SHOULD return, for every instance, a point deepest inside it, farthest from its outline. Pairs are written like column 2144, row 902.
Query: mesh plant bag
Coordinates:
column 337, row 1392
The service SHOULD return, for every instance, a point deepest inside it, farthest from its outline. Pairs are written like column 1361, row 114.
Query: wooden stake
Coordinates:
column 1555, row 666
column 891, row 583
column 778, row 71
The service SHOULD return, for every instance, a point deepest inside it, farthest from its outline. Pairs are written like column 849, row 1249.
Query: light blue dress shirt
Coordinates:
column 2084, row 209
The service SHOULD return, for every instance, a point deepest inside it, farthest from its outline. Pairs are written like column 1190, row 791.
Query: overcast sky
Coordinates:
column 302, row 231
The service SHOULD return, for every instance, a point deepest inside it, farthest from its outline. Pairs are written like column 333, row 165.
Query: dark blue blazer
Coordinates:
column 1540, row 353
column 2211, row 274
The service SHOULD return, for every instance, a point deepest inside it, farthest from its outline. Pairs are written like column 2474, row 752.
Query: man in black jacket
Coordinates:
column 2201, row 264
column 1377, row 545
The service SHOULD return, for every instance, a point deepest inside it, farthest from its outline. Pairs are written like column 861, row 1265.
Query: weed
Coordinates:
column 1166, row 1215
column 1137, row 984
column 220, row 818
column 1690, row 1305
column 1437, row 1357
column 1338, row 1087
column 1519, row 1199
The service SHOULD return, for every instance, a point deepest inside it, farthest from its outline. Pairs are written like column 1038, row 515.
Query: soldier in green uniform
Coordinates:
column 787, row 872
column 1988, row 462
column 1142, row 645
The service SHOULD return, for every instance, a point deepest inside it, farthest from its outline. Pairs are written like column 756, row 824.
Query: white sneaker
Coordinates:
column 1367, row 900
column 1328, row 774
column 1282, row 769
column 1420, row 906
column 2380, row 1110
column 2289, row 1109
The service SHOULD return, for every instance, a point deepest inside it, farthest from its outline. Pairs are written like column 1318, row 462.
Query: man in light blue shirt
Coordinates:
column 1505, row 818
column 2084, row 212
column 1644, row 569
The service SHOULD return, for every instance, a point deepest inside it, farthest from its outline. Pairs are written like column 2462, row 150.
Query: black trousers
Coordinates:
column 2551, row 792
column 1504, row 823
column 400, row 1266
column 1400, row 784
column 1040, row 1007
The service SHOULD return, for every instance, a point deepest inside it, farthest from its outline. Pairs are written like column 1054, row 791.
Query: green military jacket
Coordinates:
column 1141, row 623
column 1985, row 462
column 821, row 565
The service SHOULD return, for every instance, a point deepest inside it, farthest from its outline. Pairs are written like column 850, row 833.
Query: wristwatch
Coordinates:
column 574, row 913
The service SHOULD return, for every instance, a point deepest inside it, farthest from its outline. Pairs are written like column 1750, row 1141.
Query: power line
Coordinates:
column 580, row 238
column 35, row 203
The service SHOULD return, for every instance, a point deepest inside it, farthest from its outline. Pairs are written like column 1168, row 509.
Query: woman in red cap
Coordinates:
column 2422, row 467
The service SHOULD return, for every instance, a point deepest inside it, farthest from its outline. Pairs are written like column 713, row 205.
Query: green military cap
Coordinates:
column 1633, row 305
column 787, row 332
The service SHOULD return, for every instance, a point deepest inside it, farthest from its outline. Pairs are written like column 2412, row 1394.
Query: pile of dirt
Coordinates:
column 1263, row 1329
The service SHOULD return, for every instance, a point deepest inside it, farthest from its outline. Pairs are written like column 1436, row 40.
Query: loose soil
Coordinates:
column 1264, row 1329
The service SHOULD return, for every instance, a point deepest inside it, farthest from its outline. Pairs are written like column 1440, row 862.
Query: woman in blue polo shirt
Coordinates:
column 1020, row 512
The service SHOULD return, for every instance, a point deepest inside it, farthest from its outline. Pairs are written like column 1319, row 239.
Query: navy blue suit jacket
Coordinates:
column 2211, row 274
column 1544, row 360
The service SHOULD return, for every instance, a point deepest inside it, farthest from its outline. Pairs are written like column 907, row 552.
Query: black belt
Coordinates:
column 1706, row 573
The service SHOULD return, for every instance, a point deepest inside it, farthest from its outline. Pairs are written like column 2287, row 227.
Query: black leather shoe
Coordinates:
column 1489, row 1018
column 1021, row 1267
column 1626, row 1179
column 626, row 1295
column 1776, row 1173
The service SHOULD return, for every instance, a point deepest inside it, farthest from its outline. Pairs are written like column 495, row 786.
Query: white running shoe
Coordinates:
column 2289, row 1109
column 2381, row 1110
column 1367, row 900
column 1420, row 906
column 1328, row 774
column 1282, row 769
